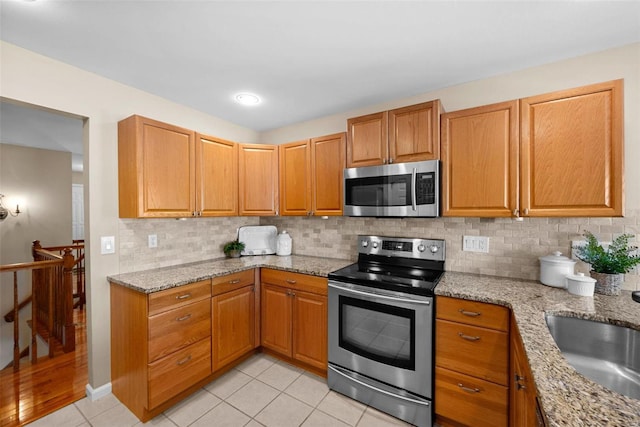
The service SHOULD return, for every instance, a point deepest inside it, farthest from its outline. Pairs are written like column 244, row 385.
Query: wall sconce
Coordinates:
column 4, row 212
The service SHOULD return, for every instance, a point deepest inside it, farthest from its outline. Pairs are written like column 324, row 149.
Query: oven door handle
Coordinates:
column 379, row 390
column 377, row 295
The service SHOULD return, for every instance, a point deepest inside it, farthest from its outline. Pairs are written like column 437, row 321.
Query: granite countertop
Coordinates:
column 567, row 397
column 158, row 279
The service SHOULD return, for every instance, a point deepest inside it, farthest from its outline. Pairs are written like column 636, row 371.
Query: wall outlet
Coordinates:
column 107, row 245
column 153, row 240
column 475, row 244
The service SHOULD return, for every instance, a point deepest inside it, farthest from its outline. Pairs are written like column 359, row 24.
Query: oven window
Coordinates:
column 380, row 332
column 394, row 190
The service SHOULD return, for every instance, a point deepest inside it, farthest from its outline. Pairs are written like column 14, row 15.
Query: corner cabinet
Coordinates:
column 258, row 180
column 558, row 154
column 406, row 134
column 311, row 175
column 294, row 318
column 472, row 363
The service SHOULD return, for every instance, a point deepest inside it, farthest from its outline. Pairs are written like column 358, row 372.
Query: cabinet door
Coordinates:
column 258, row 179
column 310, row 329
column 276, row 319
column 571, row 153
column 327, row 166
column 367, row 140
column 480, row 161
column 156, row 169
column 216, row 176
column 233, row 323
column 523, row 403
column 414, row 132
column 295, row 178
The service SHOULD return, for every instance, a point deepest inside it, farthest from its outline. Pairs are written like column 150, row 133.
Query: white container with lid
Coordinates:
column 283, row 244
column 554, row 269
column 582, row 285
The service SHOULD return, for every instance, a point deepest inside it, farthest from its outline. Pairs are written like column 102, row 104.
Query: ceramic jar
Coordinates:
column 582, row 285
column 283, row 244
column 555, row 268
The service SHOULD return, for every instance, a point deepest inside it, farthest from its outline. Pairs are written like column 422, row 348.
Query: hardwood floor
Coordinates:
column 39, row 389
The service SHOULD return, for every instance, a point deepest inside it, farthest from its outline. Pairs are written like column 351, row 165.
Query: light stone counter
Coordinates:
column 155, row 280
column 567, row 397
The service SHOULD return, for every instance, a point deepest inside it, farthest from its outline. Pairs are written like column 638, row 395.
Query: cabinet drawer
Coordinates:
column 174, row 329
column 302, row 282
column 178, row 371
column 470, row 401
column 483, row 353
column 233, row 281
column 178, row 296
column 473, row 313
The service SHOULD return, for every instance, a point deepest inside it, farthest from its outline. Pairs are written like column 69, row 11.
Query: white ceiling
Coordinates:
column 309, row 59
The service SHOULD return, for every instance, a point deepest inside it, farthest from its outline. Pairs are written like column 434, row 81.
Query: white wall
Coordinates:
column 38, row 80
column 41, row 179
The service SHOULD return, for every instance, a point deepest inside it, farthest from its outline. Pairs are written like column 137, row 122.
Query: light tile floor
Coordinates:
column 261, row 391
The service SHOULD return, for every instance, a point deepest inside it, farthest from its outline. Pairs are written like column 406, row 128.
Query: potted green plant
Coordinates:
column 233, row 248
column 608, row 265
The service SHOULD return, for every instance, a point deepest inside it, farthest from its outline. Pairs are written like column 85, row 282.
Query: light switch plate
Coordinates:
column 107, row 245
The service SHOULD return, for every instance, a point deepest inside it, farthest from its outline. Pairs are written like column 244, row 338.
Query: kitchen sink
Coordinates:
column 607, row 354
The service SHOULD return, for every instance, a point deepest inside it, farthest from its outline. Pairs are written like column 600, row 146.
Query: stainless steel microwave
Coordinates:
column 395, row 190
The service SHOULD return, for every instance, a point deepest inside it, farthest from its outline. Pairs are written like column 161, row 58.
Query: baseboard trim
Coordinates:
column 96, row 393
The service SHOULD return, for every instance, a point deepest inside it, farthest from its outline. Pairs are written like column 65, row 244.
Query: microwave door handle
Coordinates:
column 414, row 190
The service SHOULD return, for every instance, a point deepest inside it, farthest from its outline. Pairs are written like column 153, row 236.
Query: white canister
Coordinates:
column 582, row 285
column 555, row 268
column 283, row 244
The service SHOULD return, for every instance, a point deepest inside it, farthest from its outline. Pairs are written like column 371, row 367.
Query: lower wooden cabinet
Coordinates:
column 472, row 363
column 160, row 344
column 233, row 319
column 294, row 317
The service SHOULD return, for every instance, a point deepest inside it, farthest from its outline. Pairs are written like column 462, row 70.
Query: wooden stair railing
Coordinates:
column 52, row 301
column 78, row 268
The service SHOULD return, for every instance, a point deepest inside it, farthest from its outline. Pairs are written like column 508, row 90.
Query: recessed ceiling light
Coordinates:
column 247, row 99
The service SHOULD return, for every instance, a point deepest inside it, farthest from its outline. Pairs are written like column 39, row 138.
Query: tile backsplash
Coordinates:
column 514, row 246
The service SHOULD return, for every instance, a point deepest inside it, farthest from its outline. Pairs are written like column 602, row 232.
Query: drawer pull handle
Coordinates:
column 467, row 337
column 291, row 281
column 183, row 361
column 469, row 313
column 180, row 319
column 234, row 281
column 183, row 296
column 469, row 390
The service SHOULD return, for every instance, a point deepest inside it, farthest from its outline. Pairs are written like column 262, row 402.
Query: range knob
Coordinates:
column 365, row 243
column 434, row 248
column 421, row 247
column 375, row 245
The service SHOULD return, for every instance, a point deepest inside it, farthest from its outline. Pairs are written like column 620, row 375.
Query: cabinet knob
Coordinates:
column 516, row 213
column 390, row 161
column 526, row 211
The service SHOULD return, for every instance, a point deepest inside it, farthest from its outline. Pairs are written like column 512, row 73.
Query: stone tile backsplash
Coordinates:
column 514, row 246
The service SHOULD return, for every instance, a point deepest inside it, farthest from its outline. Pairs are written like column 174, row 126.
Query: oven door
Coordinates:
column 382, row 334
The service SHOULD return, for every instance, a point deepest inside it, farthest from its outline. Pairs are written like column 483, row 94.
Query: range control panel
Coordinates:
column 431, row 249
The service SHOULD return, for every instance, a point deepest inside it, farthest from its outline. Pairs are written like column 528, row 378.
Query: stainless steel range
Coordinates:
column 381, row 317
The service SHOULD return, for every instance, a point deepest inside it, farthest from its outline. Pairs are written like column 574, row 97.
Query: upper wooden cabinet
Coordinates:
column 216, row 176
column 258, row 179
column 156, row 169
column 327, row 166
column 168, row 171
column 572, row 152
column 295, row 178
column 405, row 134
column 480, row 161
column 311, row 176
column 559, row 154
